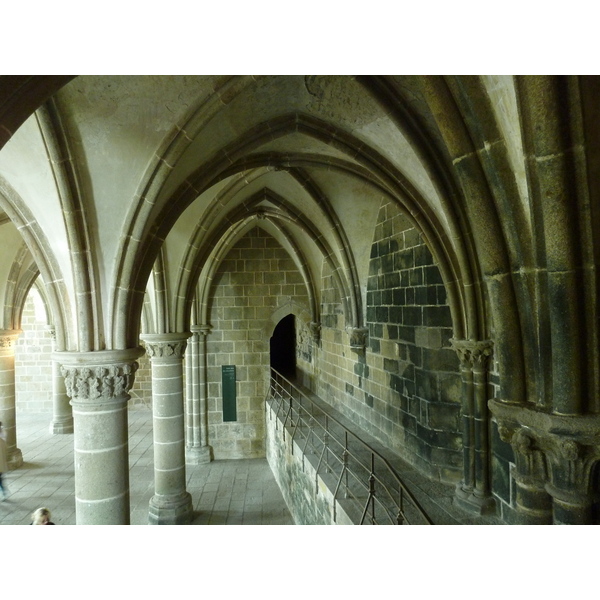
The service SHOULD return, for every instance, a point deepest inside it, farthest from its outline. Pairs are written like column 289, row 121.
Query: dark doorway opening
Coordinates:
column 283, row 347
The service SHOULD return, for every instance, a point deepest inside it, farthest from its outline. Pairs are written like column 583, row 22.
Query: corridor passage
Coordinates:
column 226, row 492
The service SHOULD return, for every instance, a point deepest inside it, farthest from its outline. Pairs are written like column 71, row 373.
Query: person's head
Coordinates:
column 41, row 516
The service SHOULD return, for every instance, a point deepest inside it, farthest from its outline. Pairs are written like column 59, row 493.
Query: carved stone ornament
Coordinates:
column 505, row 433
column 9, row 340
column 570, row 449
column 166, row 349
column 471, row 352
column 358, row 337
column 99, row 382
column 523, row 442
column 315, row 330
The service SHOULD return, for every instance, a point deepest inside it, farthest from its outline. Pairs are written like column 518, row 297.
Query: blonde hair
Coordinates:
column 40, row 515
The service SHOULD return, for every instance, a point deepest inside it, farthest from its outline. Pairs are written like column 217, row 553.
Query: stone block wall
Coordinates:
column 405, row 388
column 33, row 358
column 256, row 280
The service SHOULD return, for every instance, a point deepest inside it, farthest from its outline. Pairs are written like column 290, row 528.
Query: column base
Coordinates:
column 469, row 501
column 198, row 455
column 58, row 427
column 170, row 510
column 15, row 460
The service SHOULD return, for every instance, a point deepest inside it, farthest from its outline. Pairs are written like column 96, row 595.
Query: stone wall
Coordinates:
column 253, row 285
column 33, row 358
column 308, row 497
column 405, row 388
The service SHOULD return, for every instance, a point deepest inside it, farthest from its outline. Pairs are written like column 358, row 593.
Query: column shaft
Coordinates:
column 97, row 383
column 101, row 463
column 8, row 416
column 62, row 419
column 474, row 491
column 197, row 450
column 171, row 503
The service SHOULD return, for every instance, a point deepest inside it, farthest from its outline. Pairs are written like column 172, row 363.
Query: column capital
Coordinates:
column 99, row 376
column 8, row 339
column 473, row 352
column 558, row 451
column 315, row 331
column 358, row 337
column 166, row 345
column 202, row 329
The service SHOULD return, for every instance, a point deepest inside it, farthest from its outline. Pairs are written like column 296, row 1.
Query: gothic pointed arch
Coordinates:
column 42, row 256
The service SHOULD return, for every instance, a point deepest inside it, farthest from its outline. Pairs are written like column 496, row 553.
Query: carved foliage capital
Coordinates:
column 8, row 339
column 315, row 331
column 358, row 337
column 201, row 329
column 99, row 382
column 570, row 464
column 172, row 349
column 473, row 353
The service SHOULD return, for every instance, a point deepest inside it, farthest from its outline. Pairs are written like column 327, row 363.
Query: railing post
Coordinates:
column 372, row 488
column 345, row 455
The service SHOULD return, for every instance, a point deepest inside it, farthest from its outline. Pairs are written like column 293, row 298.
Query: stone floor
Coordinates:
column 239, row 492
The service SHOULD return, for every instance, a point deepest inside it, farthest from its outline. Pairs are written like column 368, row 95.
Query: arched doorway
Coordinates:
column 283, row 347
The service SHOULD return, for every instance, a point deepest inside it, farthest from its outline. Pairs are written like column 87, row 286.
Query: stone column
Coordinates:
column 474, row 491
column 8, row 340
column 533, row 504
column 197, row 451
column 98, row 385
column 555, row 458
column 570, row 465
column 171, row 503
column 62, row 413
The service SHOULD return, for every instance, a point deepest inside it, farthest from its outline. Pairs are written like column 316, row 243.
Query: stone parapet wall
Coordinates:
column 308, row 497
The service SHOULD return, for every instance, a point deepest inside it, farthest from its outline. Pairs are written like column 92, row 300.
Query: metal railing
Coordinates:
column 362, row 481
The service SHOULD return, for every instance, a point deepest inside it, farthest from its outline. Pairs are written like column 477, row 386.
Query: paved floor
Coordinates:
column 238, row 492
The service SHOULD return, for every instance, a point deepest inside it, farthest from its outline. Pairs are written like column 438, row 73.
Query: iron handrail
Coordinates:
column 375, row 488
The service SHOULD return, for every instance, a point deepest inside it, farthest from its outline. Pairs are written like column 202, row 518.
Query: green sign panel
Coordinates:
column 229, row 397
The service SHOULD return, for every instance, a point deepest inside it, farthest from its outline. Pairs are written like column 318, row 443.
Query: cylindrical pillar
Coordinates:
column 571, row 507
column 62, row 412
column 8, row 417
column 171, row 503
column 481, row 424
column 468, row 433
column 197, row 450
column 532, row 502
column 474, row 491
column 97, row 383
column 571, row 466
